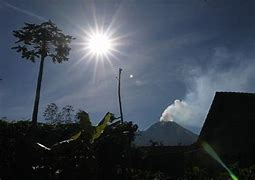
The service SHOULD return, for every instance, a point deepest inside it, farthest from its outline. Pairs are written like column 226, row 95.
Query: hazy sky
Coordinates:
column 179, row 52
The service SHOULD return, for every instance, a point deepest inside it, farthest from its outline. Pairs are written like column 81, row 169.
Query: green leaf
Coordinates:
column 102, row 125
column 60, row 144
column 85, row 125
column 76, row 136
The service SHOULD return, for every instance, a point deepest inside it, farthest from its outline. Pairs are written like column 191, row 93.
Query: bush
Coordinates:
column 22, row 158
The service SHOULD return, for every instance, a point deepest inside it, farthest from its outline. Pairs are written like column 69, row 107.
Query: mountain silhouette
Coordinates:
column 166, row 133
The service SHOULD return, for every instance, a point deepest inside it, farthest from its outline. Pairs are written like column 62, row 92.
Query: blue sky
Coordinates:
column 182, row 50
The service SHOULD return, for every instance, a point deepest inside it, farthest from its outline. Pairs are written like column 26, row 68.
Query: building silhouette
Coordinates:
column 230, row 127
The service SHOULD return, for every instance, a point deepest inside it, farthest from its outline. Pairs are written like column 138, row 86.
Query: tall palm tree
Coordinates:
column 41, row 41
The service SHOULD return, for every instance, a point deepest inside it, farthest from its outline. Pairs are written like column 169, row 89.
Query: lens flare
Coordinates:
column 214, row 155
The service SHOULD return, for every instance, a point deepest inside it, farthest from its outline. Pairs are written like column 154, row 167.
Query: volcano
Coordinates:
column 165, row 133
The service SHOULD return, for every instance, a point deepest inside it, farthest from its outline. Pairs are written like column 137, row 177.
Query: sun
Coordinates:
column 99, row 44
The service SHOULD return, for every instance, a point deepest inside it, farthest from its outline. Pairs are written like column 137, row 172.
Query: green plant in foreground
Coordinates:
column 86, row 126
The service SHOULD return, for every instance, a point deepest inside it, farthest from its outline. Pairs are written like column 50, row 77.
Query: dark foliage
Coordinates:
column 21, row 158
column 18, row 155
column 54, row 116
column 51, row 113
column 44, row 39
column 110, row 156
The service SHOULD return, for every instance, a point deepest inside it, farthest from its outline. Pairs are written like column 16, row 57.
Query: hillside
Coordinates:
column 167, row 133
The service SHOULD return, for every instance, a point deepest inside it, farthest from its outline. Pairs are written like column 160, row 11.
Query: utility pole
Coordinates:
column 121, row 114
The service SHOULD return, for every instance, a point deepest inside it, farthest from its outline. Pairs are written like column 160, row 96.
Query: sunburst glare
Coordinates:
column 99, row 44
column 100, row 48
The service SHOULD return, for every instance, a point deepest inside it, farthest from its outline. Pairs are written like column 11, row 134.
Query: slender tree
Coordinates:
column 41, row 41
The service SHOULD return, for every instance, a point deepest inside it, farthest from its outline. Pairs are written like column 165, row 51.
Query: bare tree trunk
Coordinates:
column 37, row 94
column 121, row 114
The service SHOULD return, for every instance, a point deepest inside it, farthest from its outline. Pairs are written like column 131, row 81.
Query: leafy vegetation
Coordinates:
column 65, row 151
column 54, row 116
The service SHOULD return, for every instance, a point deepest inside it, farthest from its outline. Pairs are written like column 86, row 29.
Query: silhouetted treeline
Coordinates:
column 110, row 156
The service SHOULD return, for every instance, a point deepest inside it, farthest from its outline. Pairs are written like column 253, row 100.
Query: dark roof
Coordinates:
column 230, row 124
